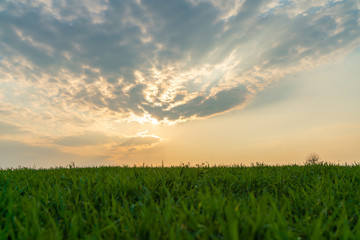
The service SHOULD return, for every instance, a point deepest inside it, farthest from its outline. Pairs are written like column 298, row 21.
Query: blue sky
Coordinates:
column 113, row 82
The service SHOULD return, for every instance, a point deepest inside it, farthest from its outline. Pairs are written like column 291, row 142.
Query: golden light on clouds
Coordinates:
column 115, row 82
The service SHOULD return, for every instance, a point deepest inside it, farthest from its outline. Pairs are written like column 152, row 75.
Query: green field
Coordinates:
column 260, row 202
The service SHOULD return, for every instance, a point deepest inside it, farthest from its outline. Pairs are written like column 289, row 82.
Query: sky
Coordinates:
column 105, row 82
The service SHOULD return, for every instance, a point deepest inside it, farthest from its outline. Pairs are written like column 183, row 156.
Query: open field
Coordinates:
column 261, row 202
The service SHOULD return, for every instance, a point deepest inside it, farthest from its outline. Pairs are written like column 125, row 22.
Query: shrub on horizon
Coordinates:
column 313, row 159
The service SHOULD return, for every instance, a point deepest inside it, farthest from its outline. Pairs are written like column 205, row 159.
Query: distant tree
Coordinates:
column 313, row 159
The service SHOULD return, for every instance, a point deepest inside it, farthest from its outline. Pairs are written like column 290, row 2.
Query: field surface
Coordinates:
column 261, row 202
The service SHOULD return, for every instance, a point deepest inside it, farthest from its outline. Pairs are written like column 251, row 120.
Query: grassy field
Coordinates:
column 261, row 202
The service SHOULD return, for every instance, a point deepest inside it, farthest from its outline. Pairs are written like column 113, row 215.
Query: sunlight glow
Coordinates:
column 146, row 118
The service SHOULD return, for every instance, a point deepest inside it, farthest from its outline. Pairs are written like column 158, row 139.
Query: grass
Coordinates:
column 261, row 202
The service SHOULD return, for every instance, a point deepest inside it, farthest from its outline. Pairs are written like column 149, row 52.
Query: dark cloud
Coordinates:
column 94, row 53
column 202, row 106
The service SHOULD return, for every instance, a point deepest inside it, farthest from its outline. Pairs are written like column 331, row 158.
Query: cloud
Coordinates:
column 98, row 139
column 16, row 153
column 87, row 148
column 140, row 141
column 170, row 60
column 86, row 139
column 10, row 129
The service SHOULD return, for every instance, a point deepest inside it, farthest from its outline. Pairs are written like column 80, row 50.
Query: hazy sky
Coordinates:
column 101, row 82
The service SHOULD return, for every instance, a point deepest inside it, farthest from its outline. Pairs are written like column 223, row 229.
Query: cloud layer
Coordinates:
column 161, row 60
column 77, row 77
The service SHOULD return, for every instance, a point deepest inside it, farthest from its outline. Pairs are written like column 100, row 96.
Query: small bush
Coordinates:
column 313, row 159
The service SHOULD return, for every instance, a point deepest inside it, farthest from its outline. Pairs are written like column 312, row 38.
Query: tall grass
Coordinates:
column 263, row 202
